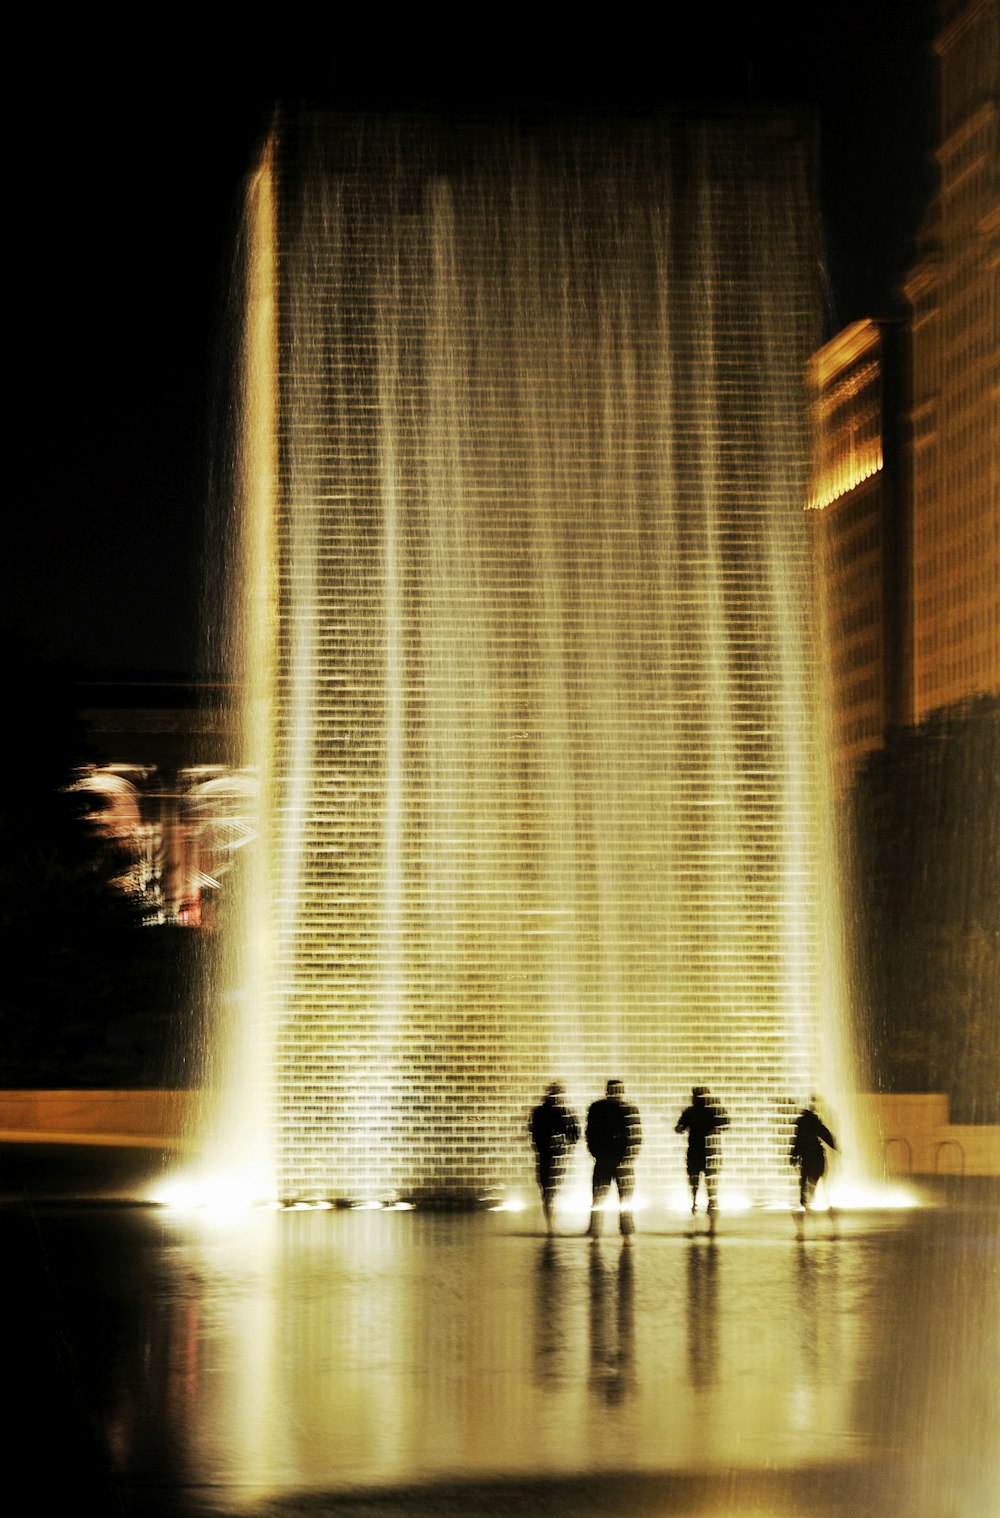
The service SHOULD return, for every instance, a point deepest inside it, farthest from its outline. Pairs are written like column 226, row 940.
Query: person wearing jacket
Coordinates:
column 614, row 1135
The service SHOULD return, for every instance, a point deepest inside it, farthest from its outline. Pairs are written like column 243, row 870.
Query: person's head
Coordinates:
column 555, row 1091
column 699, row 1095
column 615, row 1088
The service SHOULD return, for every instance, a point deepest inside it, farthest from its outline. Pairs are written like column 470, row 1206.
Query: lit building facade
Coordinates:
column 955, row 411
column 860, row 530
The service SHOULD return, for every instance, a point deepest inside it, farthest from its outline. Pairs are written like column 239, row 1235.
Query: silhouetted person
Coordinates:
column 554, row 1131
column 702, row 1122
column 808, row 1152
column 614, row 1134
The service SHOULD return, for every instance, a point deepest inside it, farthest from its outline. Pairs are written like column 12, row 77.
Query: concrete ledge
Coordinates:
column 156, row 1119
column 108, row 1140
column 918, row 1138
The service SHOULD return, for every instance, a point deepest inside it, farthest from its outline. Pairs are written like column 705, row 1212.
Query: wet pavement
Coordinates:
column 379, row 1363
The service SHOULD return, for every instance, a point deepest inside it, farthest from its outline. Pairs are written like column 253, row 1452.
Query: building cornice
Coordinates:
column 977, row 121
column 967, row 17
column 844, row 350
column 923, row 279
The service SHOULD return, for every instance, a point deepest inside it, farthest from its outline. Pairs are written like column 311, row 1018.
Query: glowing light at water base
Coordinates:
column 524, row 625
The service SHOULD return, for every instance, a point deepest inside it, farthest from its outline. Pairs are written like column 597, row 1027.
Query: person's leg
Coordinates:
column 711, row 1185
column 823, row 1180
column 602, row 1180
column 548, row 1181
column 542, row 1177
column 625, row 1181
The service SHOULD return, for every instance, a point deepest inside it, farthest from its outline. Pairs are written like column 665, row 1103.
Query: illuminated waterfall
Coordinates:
column 529, row 654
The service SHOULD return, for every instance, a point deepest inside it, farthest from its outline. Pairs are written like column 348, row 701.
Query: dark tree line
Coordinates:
column 923, row 824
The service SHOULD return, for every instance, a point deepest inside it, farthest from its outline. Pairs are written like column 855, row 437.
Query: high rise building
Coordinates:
column 955, row 411
column 857, row 492
column 909, row 545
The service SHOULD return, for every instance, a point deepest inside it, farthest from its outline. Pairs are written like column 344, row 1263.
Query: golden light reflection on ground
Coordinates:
column 315, row 1361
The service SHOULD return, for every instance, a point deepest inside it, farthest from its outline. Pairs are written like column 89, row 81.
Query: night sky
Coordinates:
column 126, row 183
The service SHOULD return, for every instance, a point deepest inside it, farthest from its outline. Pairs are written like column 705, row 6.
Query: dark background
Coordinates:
column 126, row 154
column 126, row 165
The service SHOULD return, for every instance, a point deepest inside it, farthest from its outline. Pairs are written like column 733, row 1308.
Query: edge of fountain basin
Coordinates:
column 57, row 1175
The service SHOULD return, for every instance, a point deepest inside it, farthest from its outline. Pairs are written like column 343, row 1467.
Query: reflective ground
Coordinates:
column 399, row 1363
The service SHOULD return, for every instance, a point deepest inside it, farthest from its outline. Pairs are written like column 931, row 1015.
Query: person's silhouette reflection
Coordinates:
column 550, row 1338
column 703, row 1315
column 612, row 1326
column 819, row 1314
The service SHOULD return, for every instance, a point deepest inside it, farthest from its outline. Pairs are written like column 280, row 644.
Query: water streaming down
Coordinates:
column 524, row 622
